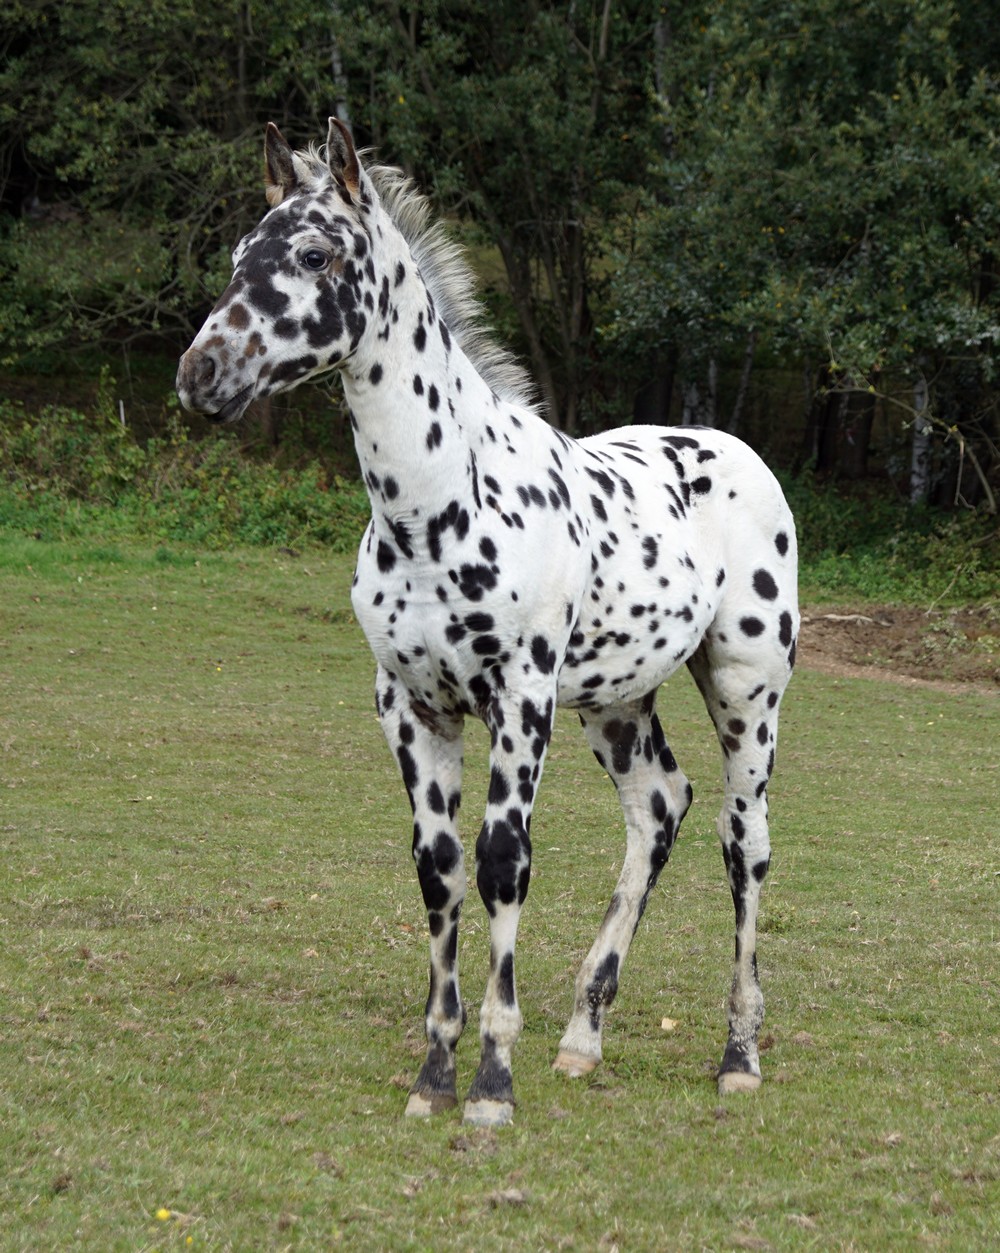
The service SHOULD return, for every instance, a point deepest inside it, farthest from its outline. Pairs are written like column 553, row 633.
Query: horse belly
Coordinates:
column 625, row 643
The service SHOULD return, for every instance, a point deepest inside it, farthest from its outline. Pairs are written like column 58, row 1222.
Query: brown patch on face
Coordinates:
column 238, row 317
column 219, row 346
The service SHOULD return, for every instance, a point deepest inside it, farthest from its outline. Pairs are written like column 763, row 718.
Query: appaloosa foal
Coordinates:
column 507, row 570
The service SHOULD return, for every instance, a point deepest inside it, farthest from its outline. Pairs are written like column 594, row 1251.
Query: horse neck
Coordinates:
column 418, row 406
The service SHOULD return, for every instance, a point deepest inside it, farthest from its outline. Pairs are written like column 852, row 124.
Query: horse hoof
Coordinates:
column 488, row 1113
column 574, row 1064
column 738, row 1081
column 420, row 1105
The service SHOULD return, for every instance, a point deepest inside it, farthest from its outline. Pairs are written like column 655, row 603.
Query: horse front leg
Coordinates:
column 429, row 751
column 520, row 732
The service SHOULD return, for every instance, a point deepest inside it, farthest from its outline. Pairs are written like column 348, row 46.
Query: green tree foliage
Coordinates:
column 670, row 190
column 535, row 123
column 830, row 187
column 128, row 136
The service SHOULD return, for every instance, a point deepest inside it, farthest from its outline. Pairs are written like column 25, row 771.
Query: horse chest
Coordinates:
column 444, row 629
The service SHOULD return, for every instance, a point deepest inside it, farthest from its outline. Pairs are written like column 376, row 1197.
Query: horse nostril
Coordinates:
column 197, row 371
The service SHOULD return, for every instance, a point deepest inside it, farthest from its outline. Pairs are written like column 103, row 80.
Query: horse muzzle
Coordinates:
column 201, row 388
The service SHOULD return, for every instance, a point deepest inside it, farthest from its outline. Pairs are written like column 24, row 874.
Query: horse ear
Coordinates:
column 341, row 157
column 280, row 179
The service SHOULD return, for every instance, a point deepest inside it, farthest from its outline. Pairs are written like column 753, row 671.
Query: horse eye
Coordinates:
column 314, row 259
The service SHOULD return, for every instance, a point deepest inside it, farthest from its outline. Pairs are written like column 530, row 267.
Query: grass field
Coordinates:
column 213, row 964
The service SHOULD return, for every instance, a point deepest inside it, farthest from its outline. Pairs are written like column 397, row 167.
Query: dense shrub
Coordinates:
column 66, row 474
column 879, row 549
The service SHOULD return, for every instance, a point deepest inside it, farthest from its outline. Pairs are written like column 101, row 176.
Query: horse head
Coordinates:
column 296, row 304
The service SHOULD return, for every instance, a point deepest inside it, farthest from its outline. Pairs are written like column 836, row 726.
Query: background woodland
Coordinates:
column 780, row 218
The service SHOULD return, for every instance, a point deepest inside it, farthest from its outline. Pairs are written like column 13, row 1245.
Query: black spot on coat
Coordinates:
column 764, row 585
column 543, row 656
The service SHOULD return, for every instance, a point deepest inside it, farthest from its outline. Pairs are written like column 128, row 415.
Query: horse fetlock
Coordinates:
column 740, row 1068
column 434, row 1087
column 580, row 1048
column 490, row 1100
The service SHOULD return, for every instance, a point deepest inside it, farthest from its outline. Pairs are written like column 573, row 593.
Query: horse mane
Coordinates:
column 447, row 275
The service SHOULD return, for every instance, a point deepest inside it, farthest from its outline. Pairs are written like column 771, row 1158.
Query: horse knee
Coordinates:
column 440, row 869
column 503, row 861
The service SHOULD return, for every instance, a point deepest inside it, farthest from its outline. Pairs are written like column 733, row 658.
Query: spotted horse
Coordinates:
column 507, row 570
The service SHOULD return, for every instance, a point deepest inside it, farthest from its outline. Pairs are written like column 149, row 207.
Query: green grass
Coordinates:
column 213, row 965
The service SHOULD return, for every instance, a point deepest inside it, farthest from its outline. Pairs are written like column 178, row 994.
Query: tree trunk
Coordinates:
column 920, row 458
column 340, row 107
column 823, row 424
column 268, row 421
column 519, row 278
column 662, row 40
column 736, row 418
column 238, row 114
column 699, row 406
column 691, row 403
column 858, row 433
column 711, row 414
column 828, row 447
column 651, row 406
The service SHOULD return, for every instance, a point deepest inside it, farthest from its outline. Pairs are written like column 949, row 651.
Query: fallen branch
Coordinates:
column 847, row 617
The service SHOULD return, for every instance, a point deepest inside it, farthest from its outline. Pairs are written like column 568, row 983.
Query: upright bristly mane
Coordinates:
column 447, row 275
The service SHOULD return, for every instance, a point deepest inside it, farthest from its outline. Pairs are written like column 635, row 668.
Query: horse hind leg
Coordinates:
column 430, row 757
column 655, row 795
column 745, row 714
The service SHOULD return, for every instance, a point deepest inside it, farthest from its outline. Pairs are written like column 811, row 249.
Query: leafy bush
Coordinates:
column 67, row 474
column 877, row 549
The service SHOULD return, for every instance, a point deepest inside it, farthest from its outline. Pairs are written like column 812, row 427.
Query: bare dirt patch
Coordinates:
column 948, row 647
